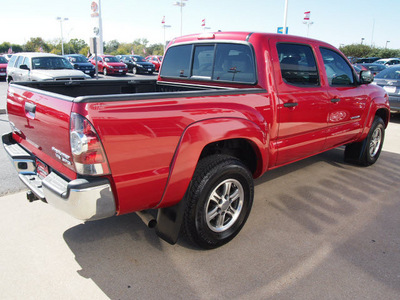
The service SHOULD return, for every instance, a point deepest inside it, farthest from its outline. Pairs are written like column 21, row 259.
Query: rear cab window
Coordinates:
column 225, row 62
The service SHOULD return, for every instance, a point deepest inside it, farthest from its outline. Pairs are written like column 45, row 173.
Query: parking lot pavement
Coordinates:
column 319, row 229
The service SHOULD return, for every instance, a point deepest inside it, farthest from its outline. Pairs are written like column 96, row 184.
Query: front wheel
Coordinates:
column 134, row 70
column 367, row 152
column 218, row 201
column 105, row 71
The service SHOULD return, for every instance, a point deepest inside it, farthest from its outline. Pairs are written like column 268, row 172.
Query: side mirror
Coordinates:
column 366, row 77
column 24, row 67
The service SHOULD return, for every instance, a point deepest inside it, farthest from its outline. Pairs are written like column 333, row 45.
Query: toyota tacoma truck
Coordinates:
column 183, row 150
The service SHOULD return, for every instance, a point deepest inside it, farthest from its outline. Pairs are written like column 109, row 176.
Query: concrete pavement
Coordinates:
column 319, row 229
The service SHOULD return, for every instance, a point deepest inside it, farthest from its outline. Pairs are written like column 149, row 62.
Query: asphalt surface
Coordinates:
column 319, row 229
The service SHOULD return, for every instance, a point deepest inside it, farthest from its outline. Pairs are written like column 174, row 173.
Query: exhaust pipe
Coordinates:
column 147, row 218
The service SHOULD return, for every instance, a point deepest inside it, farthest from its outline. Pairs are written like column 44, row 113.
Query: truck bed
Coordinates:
column 108, row 87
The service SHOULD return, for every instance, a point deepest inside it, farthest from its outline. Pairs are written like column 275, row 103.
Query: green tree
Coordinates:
column 75, row 45
column 155, row 49
column 387, row 53
column 111, row 46
column 4, row 47
column 356, row 50
column 84, row 51
column 37, row 44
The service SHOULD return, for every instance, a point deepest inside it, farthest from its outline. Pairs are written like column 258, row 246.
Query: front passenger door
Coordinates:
column 347, row 107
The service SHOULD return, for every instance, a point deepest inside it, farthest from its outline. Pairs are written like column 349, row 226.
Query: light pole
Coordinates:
column 181, row 4
column 62, row 39
column 386, row 44
column 362, row 40
column 285, row 17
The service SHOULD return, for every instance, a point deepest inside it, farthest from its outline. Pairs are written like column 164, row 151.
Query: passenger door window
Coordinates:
column 27, row 62
column 297, row 64
column 12, row 61
column 19, row 61
column 338, row 71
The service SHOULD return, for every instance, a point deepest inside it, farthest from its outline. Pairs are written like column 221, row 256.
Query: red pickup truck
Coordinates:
column 226, row 108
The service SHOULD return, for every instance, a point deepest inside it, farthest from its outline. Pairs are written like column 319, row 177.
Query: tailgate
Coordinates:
column 40, row 122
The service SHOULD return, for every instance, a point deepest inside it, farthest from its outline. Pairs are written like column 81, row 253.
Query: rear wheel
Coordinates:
column 367, row 152
column 218, row 201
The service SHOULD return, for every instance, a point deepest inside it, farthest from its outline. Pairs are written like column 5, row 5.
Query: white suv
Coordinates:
column 33, row 66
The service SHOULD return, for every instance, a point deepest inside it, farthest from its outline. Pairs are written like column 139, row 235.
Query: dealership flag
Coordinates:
column 307, row 15
column 203, row 22
column 163, row 20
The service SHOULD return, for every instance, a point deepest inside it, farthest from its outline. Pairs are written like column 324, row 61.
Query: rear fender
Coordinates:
column 199, row 135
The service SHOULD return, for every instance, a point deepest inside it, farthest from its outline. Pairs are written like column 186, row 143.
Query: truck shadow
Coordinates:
column 297, row 208
column 395, row 118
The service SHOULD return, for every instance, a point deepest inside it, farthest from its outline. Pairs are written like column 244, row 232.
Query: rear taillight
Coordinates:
column 87, row 151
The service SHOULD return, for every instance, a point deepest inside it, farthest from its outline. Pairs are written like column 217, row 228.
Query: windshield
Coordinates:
column 111, row 59
column 375, row 67
column 50, row 63
column 390, row 73
column 381, row 62
column 78, row 59
column 139, row 58
column 3, row 60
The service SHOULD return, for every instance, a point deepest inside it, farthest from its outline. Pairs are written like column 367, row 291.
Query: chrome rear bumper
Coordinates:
column 84, row 199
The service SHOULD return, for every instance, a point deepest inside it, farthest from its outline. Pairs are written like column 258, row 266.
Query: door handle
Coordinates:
column 30, row 110
column 335, row 100
column 290, row 104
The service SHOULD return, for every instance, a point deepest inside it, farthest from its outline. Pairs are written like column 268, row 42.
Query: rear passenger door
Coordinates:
column 302, row 100
column 347, row 100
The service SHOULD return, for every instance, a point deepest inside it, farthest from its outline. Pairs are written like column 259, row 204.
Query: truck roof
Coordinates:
column 238, row 36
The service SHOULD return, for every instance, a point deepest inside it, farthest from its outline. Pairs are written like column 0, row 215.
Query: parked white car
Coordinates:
column 33, row 66
column 388, row 61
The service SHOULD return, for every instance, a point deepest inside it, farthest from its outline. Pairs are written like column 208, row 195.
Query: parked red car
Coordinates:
column 109, row 64
column 3, row 67
column 155, row 60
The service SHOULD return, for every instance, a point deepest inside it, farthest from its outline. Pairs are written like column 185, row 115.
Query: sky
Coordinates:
column 338, row 22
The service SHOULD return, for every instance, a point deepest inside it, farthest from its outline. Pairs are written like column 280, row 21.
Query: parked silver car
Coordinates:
column 33, row 66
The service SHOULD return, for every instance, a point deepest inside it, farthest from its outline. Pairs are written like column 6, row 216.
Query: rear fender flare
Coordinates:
column 197, row 136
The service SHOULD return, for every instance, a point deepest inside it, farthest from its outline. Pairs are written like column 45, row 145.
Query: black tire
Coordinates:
column 218, row 201
column 366, row 152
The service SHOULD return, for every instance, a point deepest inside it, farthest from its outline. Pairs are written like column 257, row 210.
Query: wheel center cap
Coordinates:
column 225, row 204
